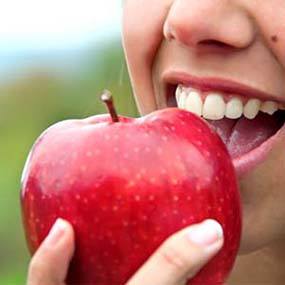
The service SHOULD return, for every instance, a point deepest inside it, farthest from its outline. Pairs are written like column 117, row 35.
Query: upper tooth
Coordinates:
column 214, row 107
column 178, row 93
column 251, row 108
column 269, row 107
column 194, row 103
column 181, row 99
column 281, row 106
column 234, row 108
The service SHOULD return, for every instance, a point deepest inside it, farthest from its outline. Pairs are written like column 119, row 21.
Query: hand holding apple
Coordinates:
column 180, row 257
column 126, row 185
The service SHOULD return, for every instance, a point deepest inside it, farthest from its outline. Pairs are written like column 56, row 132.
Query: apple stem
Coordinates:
column 107, row 98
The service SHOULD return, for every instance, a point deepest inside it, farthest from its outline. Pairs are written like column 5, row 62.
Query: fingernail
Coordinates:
column 56, row 233
column 206, row 233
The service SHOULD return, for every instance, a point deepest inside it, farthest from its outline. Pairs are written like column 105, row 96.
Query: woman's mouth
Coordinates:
column 248, row 125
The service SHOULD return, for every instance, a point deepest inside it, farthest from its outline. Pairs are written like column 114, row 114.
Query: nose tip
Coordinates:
column 218, row 22
column 174, row 30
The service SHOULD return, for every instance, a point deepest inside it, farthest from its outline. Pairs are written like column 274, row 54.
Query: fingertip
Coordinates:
column 70, row 237
column 51, row 261
column 66, row 244
column 59, row 230
column 207, row 235
column 216, row 226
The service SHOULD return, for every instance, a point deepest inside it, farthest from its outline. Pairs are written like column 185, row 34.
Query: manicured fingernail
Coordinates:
column 206, row 233
column 56, row 233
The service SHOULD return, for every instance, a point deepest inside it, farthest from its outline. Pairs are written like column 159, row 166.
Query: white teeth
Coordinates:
column 181, row 99
column 281, row 107
column 193, row 103
column 234, row 108
column 178, row 92
column 214, row 107
column 269, row 107
column 251, row 108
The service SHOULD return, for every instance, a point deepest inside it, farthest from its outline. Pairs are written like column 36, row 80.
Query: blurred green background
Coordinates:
column 38, row 87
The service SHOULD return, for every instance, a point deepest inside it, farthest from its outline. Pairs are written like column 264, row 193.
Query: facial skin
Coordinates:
column 240, row 40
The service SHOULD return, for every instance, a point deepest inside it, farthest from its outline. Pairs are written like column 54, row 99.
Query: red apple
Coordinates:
column 126, row 185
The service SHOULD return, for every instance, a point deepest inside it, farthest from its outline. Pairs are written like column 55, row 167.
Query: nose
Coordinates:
column 209, row 22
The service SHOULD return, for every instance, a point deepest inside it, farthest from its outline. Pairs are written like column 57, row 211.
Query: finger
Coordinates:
column 181, row 256
column 50, row 263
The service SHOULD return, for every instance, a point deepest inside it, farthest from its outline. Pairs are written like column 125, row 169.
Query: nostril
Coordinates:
column 214, row 43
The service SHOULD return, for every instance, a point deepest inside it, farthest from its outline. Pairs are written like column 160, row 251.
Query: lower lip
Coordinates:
column 249, row 161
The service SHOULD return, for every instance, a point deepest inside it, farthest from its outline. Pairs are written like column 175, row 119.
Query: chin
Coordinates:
column 251, row 244
column 257, row 231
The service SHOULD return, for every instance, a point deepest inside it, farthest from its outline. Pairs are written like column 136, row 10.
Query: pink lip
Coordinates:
column 215, row 84
column 250, row 160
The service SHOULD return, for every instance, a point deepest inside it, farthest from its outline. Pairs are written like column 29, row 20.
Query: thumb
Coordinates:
column 50, row 263
column 181, row 256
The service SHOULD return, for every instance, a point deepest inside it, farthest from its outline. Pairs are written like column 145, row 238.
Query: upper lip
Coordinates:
column 215, row 84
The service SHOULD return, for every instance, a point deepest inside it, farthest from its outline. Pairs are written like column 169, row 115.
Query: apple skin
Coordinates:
column 126, row 186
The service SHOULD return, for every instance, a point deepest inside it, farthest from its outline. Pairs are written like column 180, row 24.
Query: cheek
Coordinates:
column 271, row 17
column 143, row 26
column 142, row 34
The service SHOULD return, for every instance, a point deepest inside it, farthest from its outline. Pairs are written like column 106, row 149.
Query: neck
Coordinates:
column 265, row 266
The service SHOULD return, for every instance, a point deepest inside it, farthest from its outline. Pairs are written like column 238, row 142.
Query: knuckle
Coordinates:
column 175, row 257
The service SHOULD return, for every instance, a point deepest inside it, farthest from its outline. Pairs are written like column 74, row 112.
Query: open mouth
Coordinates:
column 245, row 124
